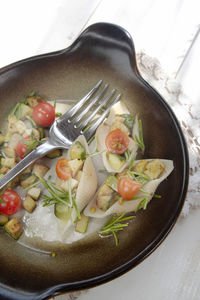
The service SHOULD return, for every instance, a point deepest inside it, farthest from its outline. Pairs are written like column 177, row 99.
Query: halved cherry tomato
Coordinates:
column 117, row 141
column 63, row 170
column 21, row 149
column 44, row 114
column 127, row 188
column 11, row 202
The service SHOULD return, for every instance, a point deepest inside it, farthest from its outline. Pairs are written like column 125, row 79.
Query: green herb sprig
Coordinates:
column 115, row 224
column 139, row 139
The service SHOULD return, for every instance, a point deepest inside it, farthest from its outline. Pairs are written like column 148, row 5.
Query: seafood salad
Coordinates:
column 68, row 194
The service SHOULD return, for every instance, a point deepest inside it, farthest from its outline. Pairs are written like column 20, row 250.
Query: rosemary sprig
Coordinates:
column 139, row 139
column 139, row 177
column 143, row 203
column 72, row 199
column 127, row 154
column 115, row 224
column 132, row 161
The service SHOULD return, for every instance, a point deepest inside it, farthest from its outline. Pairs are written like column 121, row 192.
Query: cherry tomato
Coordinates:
column 117, row 141
column 63, row 170
column 128, row 187
column 44, row 114
column 12, row 202
column 21, row 149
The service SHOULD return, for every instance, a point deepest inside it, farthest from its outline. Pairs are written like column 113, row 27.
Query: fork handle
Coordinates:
column 40, row 151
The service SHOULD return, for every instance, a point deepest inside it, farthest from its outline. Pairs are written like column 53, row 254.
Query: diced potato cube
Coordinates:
column 103, row 202
column 75, row 166
column 4, row 170
column 3, row 219
column 27, row 170
column 12, row 184
column 25, row 111
column 140, row 166
column 8, row 162
column 20, row 127
column 14, row 228
column 29, row 204
column 28, row 181
column 64, row 185
column 40, row 170
column 105, row 190
column 154, row 168
column 34, row 193
column 12, row 120
column 9, row 152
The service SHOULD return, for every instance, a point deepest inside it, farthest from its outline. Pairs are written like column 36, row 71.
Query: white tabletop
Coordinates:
column 167, row 30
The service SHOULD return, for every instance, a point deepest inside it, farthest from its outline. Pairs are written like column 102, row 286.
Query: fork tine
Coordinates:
column 80, row 116
column 83, row 124
column 94, row 126
column 80, row 103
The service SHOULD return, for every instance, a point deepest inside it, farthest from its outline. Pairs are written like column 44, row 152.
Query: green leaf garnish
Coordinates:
column 115, row 224
column 32, row 121
column 129, row 120
column 132, row 161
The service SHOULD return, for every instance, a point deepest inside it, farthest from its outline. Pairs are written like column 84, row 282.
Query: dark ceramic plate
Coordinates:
column 102, row 51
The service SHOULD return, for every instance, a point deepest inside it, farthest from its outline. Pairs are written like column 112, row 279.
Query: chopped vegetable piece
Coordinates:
column 3, row 219
column 10, row 202
column 40, row 170
column 75, row 166
column 82, row 224
column 116, row 161
column 9, row 152
column 112, row 182
column 30, row 179
column 44, row 114
column 127, row 188
column 55, row 153
column 34, row 193
column 61, row 211
column 128, row 120
column 77, row 151
column 14, row 228
column 105, row 196
column 117, row 141
column 29, row 204
column 21, row 149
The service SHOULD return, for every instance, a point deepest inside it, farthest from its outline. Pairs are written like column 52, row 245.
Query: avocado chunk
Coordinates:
column 14, row 228
column 82, row 224
column 77, row 151
column 55, row 153
column 61, row 212
column 115, row 161
column 3, row 219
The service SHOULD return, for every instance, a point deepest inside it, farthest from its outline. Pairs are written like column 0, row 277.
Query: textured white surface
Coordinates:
column 165, row 30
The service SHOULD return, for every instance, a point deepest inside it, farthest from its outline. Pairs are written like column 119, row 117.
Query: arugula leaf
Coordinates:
column 129, row 120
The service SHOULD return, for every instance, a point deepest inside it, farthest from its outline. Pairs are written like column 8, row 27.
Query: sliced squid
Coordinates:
column 113, row 162
column 152, row 173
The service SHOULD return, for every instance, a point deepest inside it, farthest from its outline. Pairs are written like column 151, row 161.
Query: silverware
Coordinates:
column 69, row 126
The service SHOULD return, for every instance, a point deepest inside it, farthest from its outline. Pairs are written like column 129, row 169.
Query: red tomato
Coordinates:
column 63, row 170
column 21, row 149
column 12, row 203
column 117, row 141
column 127, row 188
column 44, row 114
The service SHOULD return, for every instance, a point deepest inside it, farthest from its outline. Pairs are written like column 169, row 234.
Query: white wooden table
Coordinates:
column 167, row 30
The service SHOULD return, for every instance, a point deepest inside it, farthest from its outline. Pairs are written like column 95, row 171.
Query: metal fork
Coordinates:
column 69, row 126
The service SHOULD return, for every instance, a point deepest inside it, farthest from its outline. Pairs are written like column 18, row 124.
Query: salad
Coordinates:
column 66, row 195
